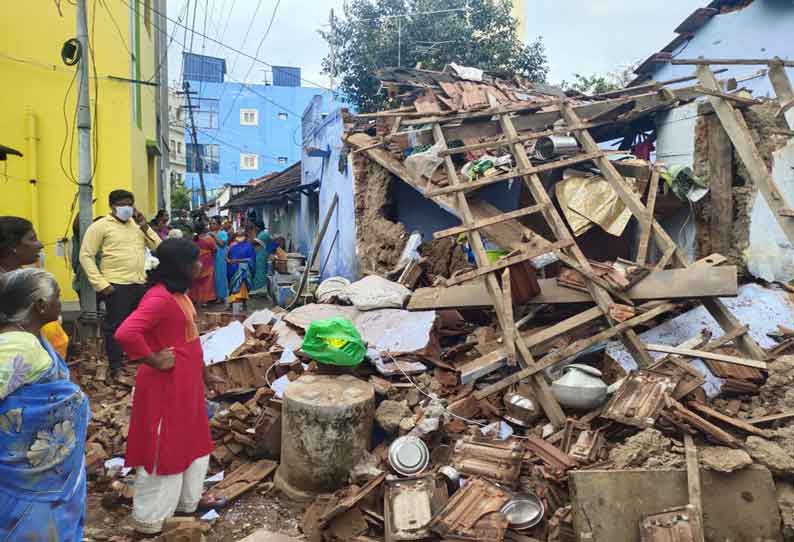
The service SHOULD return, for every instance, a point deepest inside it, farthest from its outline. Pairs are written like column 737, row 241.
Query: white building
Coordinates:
column 176, row 141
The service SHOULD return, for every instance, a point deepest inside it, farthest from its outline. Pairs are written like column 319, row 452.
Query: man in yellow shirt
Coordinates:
column 121, row 238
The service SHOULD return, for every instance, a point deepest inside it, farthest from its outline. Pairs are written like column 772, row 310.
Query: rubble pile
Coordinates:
column 538, row 390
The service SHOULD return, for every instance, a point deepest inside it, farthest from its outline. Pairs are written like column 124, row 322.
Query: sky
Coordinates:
column 581, row 36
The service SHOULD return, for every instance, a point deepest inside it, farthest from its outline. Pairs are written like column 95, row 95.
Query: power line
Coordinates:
column 245, row 38
column 258, row 47
column 229, row 47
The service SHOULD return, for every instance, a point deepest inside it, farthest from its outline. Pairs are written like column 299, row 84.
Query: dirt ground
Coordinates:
column 257, row 509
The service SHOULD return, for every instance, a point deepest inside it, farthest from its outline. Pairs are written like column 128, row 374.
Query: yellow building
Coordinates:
column 37, row 113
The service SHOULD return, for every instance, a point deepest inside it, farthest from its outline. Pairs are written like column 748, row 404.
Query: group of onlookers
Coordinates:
column 148, row 316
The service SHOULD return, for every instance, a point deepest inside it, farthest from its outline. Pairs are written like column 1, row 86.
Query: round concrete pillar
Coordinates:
column 326, row 426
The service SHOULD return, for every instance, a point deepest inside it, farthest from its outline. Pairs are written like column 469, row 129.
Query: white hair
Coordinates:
column 20, row 290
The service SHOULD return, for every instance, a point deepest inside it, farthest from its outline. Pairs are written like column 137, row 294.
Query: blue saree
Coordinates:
column 42, row 447
column 221, row 280
column 241, row 274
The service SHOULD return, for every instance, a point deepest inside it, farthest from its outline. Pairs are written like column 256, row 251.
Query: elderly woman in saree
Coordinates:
column 43, row 418
column 241, row 261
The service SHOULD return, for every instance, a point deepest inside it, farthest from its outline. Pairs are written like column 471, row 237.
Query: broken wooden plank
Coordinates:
column 539, row 386
column 702, row 354
column 740, row 100
column 720, row 153
column 506, row 261
column 509, row 332
column 695, row 282
column 477, row 224
column 646, row 227
column 693, row 482
column 520, row 172
column 686, row 416
column 771, row 418
column 717, row 415
column 573, row 349
column 242, row 479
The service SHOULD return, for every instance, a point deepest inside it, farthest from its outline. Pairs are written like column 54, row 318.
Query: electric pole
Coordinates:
column 199, row 159
column 333, row 49
column 88, row 307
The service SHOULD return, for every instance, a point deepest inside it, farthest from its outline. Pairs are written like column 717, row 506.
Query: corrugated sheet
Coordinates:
column 286, row 76
column 203, row 68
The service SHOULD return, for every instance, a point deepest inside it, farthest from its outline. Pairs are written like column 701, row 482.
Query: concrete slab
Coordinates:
column 737, row 507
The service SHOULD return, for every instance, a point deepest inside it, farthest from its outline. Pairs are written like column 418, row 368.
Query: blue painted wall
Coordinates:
column 763, row 29
column 274, row 137
column 322, row 129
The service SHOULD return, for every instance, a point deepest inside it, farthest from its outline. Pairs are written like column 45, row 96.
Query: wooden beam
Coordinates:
column 731, row 62
column 771, row 418
column 520, row 172
column 477, row 224
column 506, row 261
column 646, row 227
column 538, row 385
column 659, row 285
column 561, row 232
column 720, row 156
column 717, row 415
column 693, row 484
column 740, row 100
column 509, row 333
column 785, row 94
column 702, row 354
column 739, row 133
column 573, row 349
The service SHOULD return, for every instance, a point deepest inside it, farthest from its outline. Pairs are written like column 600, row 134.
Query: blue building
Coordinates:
column 244, row 131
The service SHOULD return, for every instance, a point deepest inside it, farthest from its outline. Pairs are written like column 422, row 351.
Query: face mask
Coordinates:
column 124, row 212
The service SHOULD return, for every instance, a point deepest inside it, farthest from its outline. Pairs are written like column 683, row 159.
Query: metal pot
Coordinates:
column 524, row 511
column 520, row 409
column 580, row 387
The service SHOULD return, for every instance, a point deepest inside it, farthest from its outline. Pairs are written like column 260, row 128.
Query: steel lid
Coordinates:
column 408, row 455
column 523, row 511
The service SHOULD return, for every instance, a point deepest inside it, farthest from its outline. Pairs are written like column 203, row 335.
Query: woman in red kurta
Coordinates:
column 202, row 290
column 169, row 439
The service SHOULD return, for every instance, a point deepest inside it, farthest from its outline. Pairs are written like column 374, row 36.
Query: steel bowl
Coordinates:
column 409, row 455
column 520, row 409
column 523, row 511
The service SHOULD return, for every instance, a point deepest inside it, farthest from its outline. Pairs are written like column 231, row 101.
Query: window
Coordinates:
column 249, row 161
column 173, row 148
column 209, row 154
column 249, row 117
column 179, row 147
column 282, row 159
column 283, row 116
column 206, row 115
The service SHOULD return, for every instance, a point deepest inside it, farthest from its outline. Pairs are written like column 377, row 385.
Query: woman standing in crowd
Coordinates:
column 20, row 246
column 43, row 418
column 241, row 263
column 222, row 242
column 203, row 289
column 169, row 439
column 160, row 223
column 262, row 242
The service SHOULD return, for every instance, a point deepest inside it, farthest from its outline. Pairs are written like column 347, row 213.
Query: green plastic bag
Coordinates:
column 335, row 341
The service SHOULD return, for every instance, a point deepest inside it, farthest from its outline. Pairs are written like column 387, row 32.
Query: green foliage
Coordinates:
column 366, row 39
column 180, row 195
column 596, row 84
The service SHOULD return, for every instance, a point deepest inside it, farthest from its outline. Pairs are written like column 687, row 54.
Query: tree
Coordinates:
column 596, row 84
column 375, row 34
column 180, row 195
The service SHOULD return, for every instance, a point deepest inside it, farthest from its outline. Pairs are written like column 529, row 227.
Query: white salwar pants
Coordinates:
column 158, row 497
